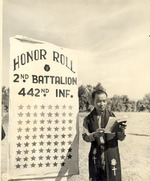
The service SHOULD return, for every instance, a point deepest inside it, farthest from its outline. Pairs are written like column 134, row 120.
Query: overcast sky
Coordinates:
column 111, row 36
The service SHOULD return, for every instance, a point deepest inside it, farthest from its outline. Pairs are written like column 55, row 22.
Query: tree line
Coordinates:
column 117, row 103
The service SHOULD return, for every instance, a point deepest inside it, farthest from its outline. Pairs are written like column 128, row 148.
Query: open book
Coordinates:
column 114, row 123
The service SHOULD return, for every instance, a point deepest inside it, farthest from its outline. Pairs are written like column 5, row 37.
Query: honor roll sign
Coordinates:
column 43, row 132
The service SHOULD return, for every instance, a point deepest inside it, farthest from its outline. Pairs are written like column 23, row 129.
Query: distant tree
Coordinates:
column 146, row 101
column 140, row 106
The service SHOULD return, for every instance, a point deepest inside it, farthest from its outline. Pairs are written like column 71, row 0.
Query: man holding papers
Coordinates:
column 104, row 159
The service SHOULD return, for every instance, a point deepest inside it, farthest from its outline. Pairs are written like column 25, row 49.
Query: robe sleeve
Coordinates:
column 88, row 137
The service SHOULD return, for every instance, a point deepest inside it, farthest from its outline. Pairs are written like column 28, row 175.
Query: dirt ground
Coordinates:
column 134, row 150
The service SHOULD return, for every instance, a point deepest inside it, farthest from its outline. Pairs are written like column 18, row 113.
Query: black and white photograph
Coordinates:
column 75, row 90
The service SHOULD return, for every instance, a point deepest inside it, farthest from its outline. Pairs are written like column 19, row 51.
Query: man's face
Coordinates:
column 100, row 102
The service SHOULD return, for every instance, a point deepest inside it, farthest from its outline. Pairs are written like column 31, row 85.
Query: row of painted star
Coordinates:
column 42, row 121
column 43, row 114
column 33, row 165
column 44, row 107
column 55, row 143
column 27, row 137
column 43, row 158
column 34, row 129
column 42, row 136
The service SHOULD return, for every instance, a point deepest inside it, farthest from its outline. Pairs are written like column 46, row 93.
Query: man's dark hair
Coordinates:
column 98, row 92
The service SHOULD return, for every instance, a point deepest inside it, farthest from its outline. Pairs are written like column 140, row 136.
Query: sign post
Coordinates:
column 43, row 130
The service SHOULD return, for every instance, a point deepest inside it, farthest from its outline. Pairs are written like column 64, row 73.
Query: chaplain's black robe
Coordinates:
column 112, row 170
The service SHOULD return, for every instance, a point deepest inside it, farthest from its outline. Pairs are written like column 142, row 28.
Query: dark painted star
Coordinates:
column 49, row 128
column 48, row 136
column 41, row 143
column 69, row 135
column 62, row 150
column 49, row 107
column 48, row 157
column 33, row 158
column 26, row 144
column 56, row 143
column 69, row 128
column 20, row 107
column 55, row 164
column 42, row 106
column 18, row 152
column 64, row 114
column 26, row 151
column 20, row 122
column 34, row 129
column 20, row 114
column 56, row 114
column 33, row 165
column 49, row 121
column 28, row 107
column 35, row 121
column 18, row 159
column 40, row 164
column 48, row 150
column 42, row 128
column 56, row 128
column 40, row 157
column 34, row 143
column 63, row 121
column 56, row 121
column 55, row 157
column 26, row 159
column 28, row 121
column 63, row 135
column 27, row 129
column 55, row 136
column 27, row 137
column 42, row 114
column 70, row 107
column 41, row 136
column 35, row 106
column 34, row 136
column 70, row 114
column 69, row 142
column 19, row 144
column 69, row 156
column 48, row 143
column 62, row 143
column 63, row 128
column 49, row 114
column 19, row 137
column 62, row 164
column 70, row 150
column 41, row 150
column 18, row 166
column 35, row 114
column 56, row 107
column 19, row 129
column 64, row 106
column 33, row 151
column 47, row 164
column 70, row 120
column 28, row 114
column 62, row 157
column 25, row 165
column 55, row 150
column 42, row 121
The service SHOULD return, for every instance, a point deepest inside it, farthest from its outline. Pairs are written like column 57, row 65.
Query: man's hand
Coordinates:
column 98, row 133
column 123, row 126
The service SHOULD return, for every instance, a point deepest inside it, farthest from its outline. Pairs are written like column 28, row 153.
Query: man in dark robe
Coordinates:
column 104, row 159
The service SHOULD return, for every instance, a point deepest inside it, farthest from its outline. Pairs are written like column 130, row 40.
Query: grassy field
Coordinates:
column 134, row 150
